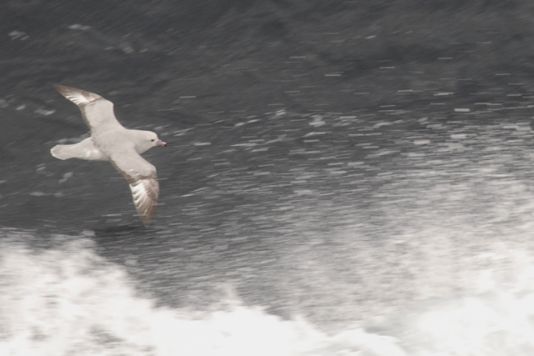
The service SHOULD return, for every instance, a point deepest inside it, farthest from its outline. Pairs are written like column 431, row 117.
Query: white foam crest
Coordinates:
column 68, row 300
column 497, row 320
column 492, row 326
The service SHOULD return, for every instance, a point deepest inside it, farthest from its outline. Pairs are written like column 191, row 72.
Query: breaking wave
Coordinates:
column 66, row 299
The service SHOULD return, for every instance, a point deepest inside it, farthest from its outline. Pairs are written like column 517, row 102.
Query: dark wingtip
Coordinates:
column 61, row 88
column 147, row 218
column 79, row 97
column 64, row 90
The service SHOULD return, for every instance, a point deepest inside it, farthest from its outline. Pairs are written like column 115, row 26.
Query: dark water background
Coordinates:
column 352, row 162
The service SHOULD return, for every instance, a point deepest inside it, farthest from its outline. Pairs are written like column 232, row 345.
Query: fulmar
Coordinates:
column 112, row 142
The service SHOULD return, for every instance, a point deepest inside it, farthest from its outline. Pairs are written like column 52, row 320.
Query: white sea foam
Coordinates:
column 67, row 300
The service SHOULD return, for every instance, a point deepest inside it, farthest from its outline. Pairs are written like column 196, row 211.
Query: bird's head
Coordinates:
column 145, row 140
column 154, row 140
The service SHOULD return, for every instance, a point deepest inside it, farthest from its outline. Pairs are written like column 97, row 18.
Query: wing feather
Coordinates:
column 142, row 179
column 97, row 111
column 145, row 192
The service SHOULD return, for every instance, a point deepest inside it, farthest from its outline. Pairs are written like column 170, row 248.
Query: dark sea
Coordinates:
column 342, row 178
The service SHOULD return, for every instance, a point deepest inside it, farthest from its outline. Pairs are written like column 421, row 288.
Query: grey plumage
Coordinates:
column 110, row 141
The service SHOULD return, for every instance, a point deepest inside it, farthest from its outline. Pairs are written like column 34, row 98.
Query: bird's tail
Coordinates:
column 62, row 152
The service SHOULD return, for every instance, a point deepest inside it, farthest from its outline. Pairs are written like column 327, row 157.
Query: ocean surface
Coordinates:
column 341, row 179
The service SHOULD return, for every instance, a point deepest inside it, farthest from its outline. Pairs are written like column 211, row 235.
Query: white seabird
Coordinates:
column 122, row 147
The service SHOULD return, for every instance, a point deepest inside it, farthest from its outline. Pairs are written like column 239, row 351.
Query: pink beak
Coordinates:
column 161, row 143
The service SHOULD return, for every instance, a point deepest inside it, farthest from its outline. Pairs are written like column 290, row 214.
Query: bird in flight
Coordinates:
column 112, row 142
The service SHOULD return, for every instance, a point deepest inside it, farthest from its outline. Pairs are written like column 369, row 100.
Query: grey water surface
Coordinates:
column 342, row 178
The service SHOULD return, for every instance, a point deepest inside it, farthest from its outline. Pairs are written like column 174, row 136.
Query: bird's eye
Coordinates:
column 153, row 140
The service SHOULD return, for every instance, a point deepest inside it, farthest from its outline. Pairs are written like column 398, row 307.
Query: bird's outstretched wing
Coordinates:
column 96, row 110
column 142, row 179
